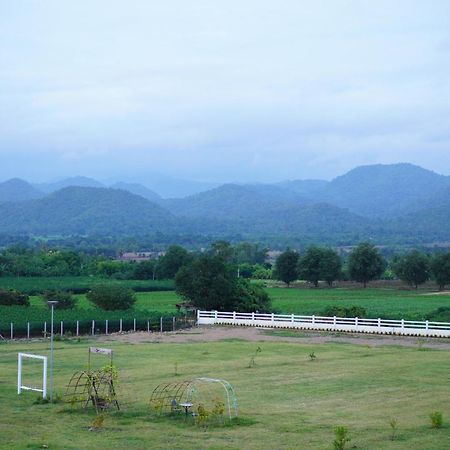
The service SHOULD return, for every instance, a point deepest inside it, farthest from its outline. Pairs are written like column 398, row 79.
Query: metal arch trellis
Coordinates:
column 229, row 392
column 167, row 397
column 96, row 387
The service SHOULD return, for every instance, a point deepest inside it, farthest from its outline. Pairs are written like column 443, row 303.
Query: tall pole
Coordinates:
column 51, row 358
column 52, row 305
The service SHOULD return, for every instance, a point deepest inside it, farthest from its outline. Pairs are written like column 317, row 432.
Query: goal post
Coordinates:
column 20, row 386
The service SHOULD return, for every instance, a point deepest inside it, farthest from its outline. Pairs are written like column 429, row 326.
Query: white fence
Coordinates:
column 354, row 324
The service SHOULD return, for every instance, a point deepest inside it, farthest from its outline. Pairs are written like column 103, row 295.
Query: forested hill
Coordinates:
column 17, row 190
column 382, row 190
column 84, row 210
column 397, row 203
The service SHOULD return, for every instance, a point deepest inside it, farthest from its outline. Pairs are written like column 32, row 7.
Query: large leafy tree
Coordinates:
column 365, row 263
column 330, row 266
column 209, row 282
column 440, row 268
column 286, row 266
column 413, row 268
column 309, row 267
column 320, row 264
column 169, row 264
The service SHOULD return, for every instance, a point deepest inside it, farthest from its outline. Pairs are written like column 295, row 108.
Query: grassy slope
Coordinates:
column 288, row 402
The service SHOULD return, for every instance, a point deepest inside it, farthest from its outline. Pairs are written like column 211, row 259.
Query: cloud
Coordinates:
column 222, row 90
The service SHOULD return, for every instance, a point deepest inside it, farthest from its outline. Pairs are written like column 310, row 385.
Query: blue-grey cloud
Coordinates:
column 223, row 90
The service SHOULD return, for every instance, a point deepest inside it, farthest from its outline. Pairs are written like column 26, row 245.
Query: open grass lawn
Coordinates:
column 285, row 402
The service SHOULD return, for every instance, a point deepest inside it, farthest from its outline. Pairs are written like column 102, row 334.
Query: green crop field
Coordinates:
column 378, row 302
column 35, row 285
column 286, row 401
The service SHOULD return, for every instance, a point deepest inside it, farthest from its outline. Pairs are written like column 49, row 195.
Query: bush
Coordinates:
column 341, row 438
column 436, row 419
column 341, row 311
column 112, row 297
column 65, row 299
column 13, row 298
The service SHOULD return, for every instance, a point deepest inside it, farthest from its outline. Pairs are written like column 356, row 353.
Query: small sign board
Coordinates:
column 102, row 351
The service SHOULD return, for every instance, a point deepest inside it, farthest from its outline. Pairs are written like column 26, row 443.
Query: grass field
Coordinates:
column 285, row 402
column 386, row 303
column 35, row 285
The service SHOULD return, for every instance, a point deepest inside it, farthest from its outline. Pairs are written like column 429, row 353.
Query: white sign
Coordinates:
column 102, row 351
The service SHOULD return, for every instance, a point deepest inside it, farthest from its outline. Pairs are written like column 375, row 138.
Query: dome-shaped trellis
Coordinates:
column 95, row 386
column 214, row 395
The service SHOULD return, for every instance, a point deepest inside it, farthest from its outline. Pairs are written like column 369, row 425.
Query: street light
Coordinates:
column 52, row 304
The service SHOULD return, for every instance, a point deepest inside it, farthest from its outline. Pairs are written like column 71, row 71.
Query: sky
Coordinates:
column 222, row 90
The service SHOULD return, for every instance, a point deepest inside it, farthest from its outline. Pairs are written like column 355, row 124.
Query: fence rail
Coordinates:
column 353, row 324
column 95, row 327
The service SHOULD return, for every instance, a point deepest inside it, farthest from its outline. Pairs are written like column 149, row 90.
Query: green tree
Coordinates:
column 440, row 268
column 145, row 270
column 111, row 297
column 209, row 282
column 10, row 297
column 286, row 266
column 309, row 266
column 365, row 263
column 413, row 268
column 65, row 299
column 320, row 264
column 330, row 266
column 169, row 264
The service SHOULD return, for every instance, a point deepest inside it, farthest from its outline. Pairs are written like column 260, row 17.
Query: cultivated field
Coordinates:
column 287, row 401
column 378, row 302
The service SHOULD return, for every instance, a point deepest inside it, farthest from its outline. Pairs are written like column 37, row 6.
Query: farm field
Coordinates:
column 286, row 401
column 386, row 303
column 379, row 302
column 34, row 285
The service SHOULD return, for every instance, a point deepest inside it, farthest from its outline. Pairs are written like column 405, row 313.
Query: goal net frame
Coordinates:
column 20, row 386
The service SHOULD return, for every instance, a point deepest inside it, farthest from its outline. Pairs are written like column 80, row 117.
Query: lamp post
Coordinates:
column 52, row 304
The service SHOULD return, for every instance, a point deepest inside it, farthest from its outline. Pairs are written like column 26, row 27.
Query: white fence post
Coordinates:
column 78, row 327
column 426, row 325
column 379, row 322
column 120, row 326
column 28, row 330
column 148, row 326
column 62, row 328
column 313, row 319
column 134, row 324
column 356, row 322
column 161, row 324
column 45, row 329
column 334, row 320
column 12, row 331
column 403, row 325
column 173, row 323
column 93, row 327
column 106, row 326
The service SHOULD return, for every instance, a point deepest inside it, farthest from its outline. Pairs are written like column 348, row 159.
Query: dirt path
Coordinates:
column 218, row 333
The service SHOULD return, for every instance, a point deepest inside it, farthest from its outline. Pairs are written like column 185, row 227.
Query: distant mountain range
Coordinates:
column 398, row 203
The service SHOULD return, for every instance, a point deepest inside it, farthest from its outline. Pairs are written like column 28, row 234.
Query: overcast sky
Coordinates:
column 222, row 90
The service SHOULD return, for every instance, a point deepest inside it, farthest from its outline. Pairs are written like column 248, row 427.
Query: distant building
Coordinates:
column 139, row 256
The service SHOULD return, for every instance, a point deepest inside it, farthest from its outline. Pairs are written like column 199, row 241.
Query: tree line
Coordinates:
column 364, row 263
